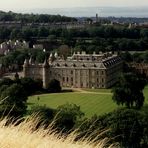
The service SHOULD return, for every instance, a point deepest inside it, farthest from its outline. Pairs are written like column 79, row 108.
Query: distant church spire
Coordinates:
column 97, row 19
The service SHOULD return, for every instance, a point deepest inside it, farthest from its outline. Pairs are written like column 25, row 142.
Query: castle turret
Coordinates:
column 56, row 55
column 30, row 60
column 49, row 59
column 26, row 62
column 25, row 67
column 45, row 74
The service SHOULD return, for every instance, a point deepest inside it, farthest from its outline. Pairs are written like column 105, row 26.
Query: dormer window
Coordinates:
column 74, row 65
column 93, row 58
column 65, row 65
column 83, row 65
column 95, row 65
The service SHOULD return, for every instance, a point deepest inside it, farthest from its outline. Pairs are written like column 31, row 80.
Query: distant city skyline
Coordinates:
column 13, row 5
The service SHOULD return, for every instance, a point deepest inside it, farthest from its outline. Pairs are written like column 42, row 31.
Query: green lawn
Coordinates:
column 90, row 103
column 146, row 94
column 98, row 90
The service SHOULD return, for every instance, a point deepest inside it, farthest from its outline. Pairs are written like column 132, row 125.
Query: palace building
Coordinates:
column 81, row 70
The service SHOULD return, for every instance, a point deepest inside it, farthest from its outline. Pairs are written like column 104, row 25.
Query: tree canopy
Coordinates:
column 33, row 18
column 129, row 90
column 13, row 101
column 54, row 86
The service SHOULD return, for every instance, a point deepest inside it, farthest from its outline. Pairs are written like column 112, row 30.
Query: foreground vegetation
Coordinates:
column 23, row 136
column 68, row 117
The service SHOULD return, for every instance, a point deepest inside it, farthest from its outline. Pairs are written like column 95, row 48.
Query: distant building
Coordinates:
column 141, row 68
column 9, row 24
column 54, row 25
column 38, row 46
column 79, row 71
column 9, row 46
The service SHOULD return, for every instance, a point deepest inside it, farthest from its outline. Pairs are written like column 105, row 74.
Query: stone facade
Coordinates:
column 79, row 71
column 141, row 68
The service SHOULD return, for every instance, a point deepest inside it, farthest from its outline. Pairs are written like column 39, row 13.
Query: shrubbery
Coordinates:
column 13, row 100
column 129, row 127
column 54, row 86
column 14, row 93
column 64, row 118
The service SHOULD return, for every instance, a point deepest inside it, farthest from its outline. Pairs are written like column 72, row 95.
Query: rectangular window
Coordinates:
column 71, row 79
column 71, row 72
column 63, row 79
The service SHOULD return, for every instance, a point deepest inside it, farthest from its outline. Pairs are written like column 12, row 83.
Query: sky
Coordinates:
column 31, row 4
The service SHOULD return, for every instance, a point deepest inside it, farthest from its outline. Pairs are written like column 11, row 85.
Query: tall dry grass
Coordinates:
column 24, row 136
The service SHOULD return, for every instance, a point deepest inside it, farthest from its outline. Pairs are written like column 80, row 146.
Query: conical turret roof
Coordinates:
column 26, row 62
column 45, row 64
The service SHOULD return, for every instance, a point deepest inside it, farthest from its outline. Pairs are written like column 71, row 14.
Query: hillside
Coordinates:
column 33, row 18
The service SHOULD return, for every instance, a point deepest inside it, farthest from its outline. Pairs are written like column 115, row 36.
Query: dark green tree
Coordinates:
column 44, row 115
column 129, row 91
column 31, row 86
column 13, row 101
column 54, row 86
column 67, row 116
column 127, row 126
column 6, row 81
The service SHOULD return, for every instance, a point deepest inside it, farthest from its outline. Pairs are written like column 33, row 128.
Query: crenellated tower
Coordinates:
column 26, row 67
column 45, row 73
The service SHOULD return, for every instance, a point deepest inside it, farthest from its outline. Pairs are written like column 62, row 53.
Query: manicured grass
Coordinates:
column 90, row 103
column 146, row 94
column 98, row 90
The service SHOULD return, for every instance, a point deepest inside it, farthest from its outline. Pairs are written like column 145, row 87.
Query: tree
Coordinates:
column 89, row 20
column 64, row 50
column 13, row 101
column 127, row 126
column 67, row 116
column 31, row 86
column 127, row 57
column 128, row 91
column 144, row 33
column 44, row 115
column 6, row 81
column 54, row 86
column 43, row 32
column 3, row 87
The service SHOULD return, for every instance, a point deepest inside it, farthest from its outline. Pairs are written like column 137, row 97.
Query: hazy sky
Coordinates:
column 27, row 4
